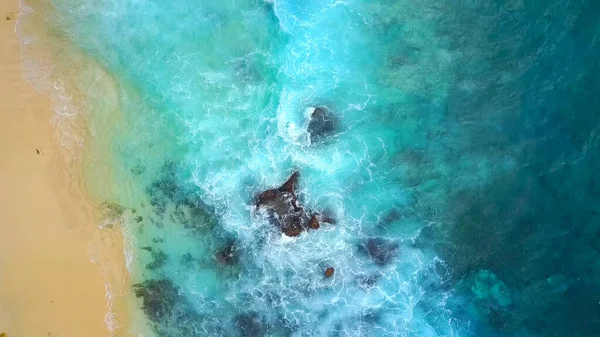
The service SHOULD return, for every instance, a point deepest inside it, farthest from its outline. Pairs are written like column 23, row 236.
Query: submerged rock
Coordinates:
column 159, row 259
column 380, row 251
column 321, row 124
column 226, row 256
column 249, row 325
column 159, row 298
column 328, row 217
column 283, row 208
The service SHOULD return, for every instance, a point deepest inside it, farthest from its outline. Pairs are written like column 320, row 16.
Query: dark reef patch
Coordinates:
column 167, row 309
column 174, row 196
column 159, row 298
column 159, row 259
column 380, row 251
column 226, row 256
column 250, row 325
column 111, row 210
column 322, row 124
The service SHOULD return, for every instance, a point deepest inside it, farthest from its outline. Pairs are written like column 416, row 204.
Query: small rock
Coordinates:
column 9, row 17
column 313, row 223
column 37, row 151
column 329, row 272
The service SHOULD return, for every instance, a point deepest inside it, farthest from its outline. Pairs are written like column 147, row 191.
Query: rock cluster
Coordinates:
column 285, row 210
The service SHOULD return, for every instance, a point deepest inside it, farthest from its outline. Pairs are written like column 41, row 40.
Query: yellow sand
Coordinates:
column 48, row 284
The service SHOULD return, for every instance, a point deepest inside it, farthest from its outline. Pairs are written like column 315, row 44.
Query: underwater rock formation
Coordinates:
column 379, row 250
column 159, row 259
column 226, row 256
column 283, row 208
column 321, row 124
column 159, row 298
column 249, row 325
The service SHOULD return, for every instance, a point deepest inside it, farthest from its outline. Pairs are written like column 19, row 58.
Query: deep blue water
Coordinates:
column 454, row 179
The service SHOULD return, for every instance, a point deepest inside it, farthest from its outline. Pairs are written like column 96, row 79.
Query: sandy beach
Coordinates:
column 48, row 284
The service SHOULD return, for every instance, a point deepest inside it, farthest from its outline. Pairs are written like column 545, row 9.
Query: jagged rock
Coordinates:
column 321, row 124
column 283, row 208
column 379, row 250
column 329, row 272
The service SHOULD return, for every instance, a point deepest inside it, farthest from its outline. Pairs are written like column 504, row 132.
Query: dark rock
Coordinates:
column 329, row 272
column 283, row 208
column 159, row 298
column 158, row 240
column 393, row 215
column 249, row 325
column 226, row 256
column 313, row 223
column 321, row 124
column 293, row 230
column 379, row 250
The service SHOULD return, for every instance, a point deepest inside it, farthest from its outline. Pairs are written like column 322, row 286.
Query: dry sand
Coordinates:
column 48, row 284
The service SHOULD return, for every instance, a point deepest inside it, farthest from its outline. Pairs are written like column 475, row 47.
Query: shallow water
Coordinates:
column 458, row 167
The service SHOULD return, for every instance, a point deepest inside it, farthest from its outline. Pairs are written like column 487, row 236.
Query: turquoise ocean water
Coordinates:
column 458, row 169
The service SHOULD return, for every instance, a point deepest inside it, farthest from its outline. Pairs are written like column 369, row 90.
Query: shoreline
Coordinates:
column 49, row 285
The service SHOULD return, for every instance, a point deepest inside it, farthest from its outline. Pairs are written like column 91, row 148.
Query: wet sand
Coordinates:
column 48, row 284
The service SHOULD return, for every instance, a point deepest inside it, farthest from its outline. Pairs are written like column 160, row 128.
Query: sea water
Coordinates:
column 459, row 177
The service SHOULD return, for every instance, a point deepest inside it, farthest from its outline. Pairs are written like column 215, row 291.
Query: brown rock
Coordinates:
column 292, row 230
column 283, row 208
column 329, row 272
column 313, row 223
column 290, row 184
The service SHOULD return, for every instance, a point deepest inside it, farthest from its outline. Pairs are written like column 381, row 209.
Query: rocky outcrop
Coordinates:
column 283, row 207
